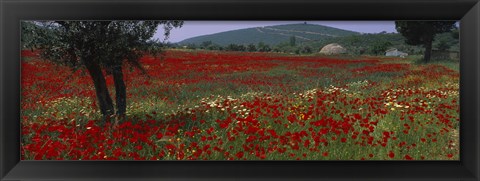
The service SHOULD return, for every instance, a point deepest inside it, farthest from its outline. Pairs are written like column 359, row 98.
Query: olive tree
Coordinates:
column 99, row 46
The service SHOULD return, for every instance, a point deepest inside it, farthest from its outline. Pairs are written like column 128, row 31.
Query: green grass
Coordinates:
column 326, row 92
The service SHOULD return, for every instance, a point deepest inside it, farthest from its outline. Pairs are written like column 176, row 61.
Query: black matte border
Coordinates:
column 11, row 12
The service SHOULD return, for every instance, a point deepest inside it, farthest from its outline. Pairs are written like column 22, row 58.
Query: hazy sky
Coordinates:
column 197, row 28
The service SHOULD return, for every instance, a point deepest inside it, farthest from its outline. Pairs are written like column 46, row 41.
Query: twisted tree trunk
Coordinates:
column 120, row 90
column 104, row 100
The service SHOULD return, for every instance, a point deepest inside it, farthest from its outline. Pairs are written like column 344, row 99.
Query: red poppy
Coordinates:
column 239, row 154
column 408, row 157
column 391, row 154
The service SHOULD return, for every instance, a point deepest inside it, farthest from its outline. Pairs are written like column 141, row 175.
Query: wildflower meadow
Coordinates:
column 221, row 105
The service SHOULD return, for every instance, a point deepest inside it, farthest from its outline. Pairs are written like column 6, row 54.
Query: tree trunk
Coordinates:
column 428, row 51
column 104, row 100
column 120, row 89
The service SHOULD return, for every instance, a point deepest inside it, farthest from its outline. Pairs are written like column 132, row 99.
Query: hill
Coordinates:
column 271, row 35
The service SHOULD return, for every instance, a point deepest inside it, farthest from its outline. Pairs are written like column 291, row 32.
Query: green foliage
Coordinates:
column 251, row 48
column 362, row 44
column 192, row 46
column 205, row 44
column 379, row 48
column 284, row 47
column 305, row 49
column 107, row 43
column 446, row 41
column 455, row 33
column 28, row 33
column 443, row 45
column 214, row 47
column 235, row 47
column 262, row 47
column 422, row 32
column 292, row 41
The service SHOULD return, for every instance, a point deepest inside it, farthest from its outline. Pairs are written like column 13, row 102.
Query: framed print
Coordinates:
column 278, row 92
column 247, row 90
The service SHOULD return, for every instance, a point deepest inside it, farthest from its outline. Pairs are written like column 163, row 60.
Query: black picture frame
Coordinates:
column 13, row 11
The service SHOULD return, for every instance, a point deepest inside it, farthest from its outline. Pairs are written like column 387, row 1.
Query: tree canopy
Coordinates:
column 73, row 42
column 423, row 32
column 97, row 45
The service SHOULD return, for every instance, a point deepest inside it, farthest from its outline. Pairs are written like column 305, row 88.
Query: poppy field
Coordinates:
column 213, row 105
